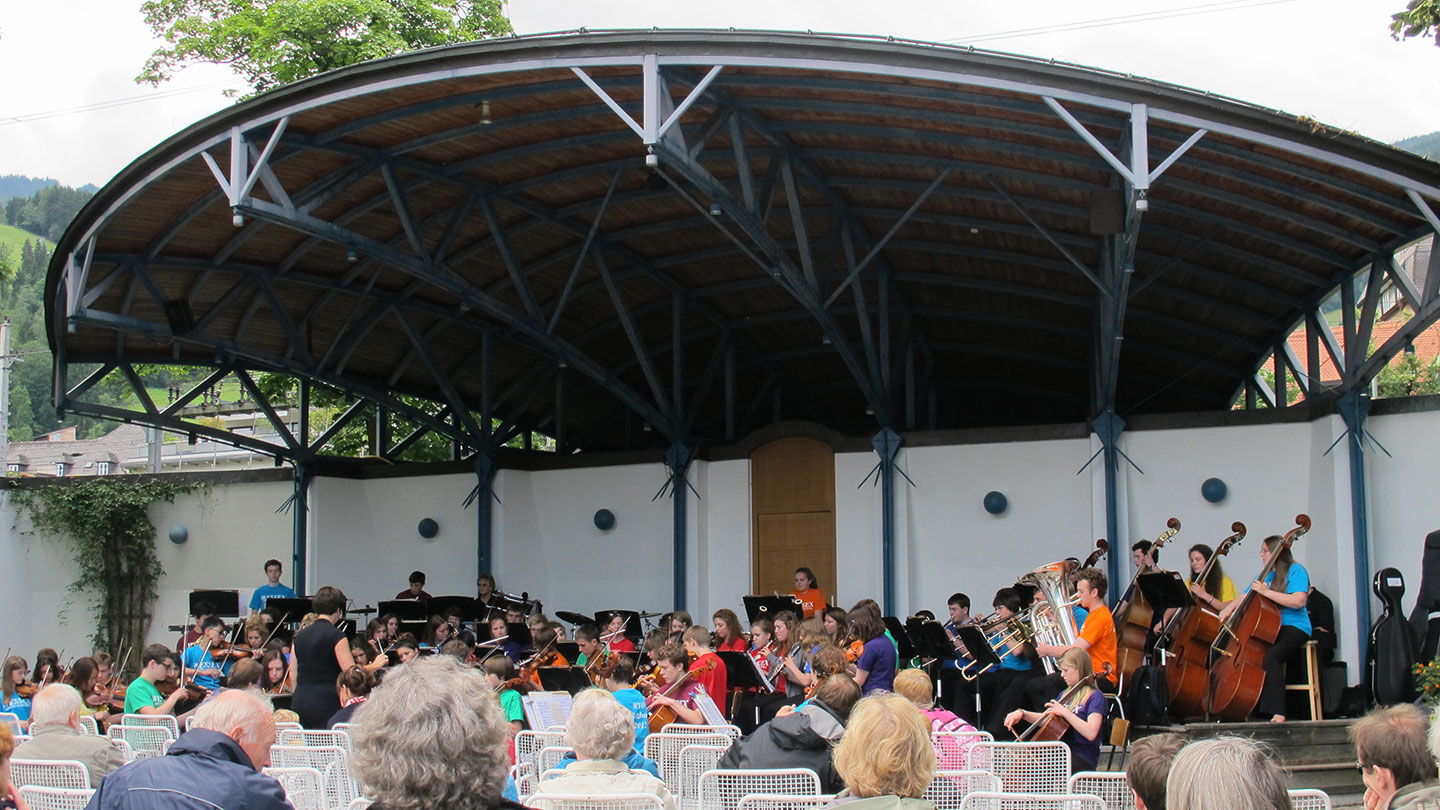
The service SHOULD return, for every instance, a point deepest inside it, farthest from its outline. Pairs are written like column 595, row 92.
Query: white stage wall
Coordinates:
column 363, row 536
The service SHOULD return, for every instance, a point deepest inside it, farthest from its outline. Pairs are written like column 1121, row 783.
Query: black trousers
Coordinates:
column 1288, row 645
column 958, row 695
column 1001, row 692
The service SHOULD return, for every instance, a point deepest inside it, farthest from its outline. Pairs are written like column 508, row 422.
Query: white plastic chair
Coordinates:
column 304, row 787
column 12, row 720
column 607, row 801
column 314, row 738
column 528, row 743
column 125, row 750
column 166, row 720
column 777, row 801
column 285, row 725
column 685, row 728
column 345, row 727
column 50, row 773
column 994, row 800
column 332, row 763
column 524, row 775
column 695, row 760
column 665, row 746
column 147, row 741
column 952, row 748
column 548, row 758
column 1025, row 767
column 43, row 798
column 1108, row 785
column 1310, row 799
column 360, row 803
column 89, row 726
column 948, row 789
column 722, row 790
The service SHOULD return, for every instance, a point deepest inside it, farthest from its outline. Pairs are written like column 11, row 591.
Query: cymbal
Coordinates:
column 574, row 618
column 649, row 615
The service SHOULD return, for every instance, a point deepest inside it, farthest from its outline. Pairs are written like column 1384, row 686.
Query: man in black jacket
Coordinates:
column 801, row 738
column 215, row 764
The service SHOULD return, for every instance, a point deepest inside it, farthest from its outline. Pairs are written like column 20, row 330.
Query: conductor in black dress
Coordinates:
column 321, row 653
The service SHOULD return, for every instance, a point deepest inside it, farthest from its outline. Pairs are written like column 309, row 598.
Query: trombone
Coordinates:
column 1015, row 629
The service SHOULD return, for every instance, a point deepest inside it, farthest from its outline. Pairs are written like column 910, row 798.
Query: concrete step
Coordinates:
column 1316, row 754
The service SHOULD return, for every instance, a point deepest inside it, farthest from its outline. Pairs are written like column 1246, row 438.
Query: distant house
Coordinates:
column 60, row 454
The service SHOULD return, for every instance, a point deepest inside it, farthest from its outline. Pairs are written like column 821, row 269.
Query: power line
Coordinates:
column 1105, row 22
column 105, row 105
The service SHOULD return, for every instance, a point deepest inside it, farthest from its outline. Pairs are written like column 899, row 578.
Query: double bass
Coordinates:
column 1132, row 627
column 1243, row 639
column 1187, row 638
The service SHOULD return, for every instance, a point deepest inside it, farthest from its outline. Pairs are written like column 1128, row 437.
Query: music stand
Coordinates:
column 742, row 672
column 906, row 647
column 519, row 632
column 225, row 604
column 1164, row 590
column 765, row 607
column 979, row 647
column 563, row 679
column 410, row 612
column 483, row 613
column 440, row 604
column 930, row 639
column 290, row 609
column 569, row 649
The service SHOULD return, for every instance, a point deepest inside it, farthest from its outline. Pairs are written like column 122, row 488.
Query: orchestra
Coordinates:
column 1047, row 649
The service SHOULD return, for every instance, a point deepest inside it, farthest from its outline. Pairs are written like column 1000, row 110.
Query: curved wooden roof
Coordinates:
column 856, row 232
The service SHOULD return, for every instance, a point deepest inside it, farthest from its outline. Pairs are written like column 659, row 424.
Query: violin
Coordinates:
column 193, row 691
column 223, row 649
column 26, row 689
column 602, row 666
column 1053, row 726
column 662, row 715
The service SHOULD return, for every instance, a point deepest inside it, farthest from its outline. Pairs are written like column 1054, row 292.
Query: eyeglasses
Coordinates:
column 1362, row 767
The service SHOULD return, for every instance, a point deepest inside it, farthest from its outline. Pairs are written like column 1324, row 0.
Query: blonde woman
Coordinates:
column 1084, row 712
column 885, row 756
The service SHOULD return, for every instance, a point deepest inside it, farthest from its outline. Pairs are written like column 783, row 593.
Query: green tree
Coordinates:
column 273, row 42
column 1420, row 18
column 1408, row 377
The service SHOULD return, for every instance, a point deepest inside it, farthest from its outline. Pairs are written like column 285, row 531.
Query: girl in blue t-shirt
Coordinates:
column 1294, row 622
column 14, row 674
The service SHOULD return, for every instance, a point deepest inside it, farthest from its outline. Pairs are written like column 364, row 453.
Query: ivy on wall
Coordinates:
column 106, row 524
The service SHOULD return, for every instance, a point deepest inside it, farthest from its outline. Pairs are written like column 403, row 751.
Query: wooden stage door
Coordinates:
column 792, row 501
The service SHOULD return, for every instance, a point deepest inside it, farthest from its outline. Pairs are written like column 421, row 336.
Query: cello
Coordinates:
column 1187, row 639
column 1243, row 638
column 1053, row 726
column 1132, row 627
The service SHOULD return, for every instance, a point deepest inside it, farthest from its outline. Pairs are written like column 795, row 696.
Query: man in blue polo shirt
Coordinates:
column 270, row 590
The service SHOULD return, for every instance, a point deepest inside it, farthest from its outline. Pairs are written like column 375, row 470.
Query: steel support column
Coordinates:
column 485, row 471
column 1107, row 428
column 678, row 459
column 300, row 514
column 887, row 446
column 1354, row 407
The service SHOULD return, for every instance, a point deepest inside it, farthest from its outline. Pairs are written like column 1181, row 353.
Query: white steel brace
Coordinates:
column 241, row 180
column 653, row 127
column 76, row 276
column 1138, row 174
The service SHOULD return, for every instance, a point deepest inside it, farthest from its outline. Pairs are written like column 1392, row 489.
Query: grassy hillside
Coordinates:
column 11, row 238
column 1424, row 145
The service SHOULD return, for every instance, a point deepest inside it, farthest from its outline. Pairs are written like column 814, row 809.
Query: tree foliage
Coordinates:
column 106, row 522
column 1407, row 377
column 272, row 42
column 46, row 213
column 1421, row 18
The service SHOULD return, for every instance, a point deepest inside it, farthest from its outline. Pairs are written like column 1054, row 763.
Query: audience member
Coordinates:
column 215, row 764
column 354, row 686
column 915, row 686
column 602, row 732
column 423, row 719
column 56, row 733
column 1226, row 773
column 1395, row 762
column 885, row 758
column 802, row 738
column 10, row 797
column 1149, row 766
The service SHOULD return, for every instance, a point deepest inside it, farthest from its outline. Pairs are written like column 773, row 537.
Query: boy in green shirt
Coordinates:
column 498, row 671
column 141, row 697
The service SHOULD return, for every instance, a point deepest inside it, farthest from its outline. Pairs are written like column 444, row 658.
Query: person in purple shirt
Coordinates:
column 875, row 668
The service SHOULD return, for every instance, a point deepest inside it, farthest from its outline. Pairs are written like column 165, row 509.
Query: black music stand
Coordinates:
column 741, row 671
column 483, row 613
column 290, row 610
column 411, row 613
column 569, row 649
column 906, row 647
column 979, row 647
column 440, row 604
column 1164, row 590
column 519, row 632
column 765, row 607
column 563, row 679
column 225, row 604
column 930, row 639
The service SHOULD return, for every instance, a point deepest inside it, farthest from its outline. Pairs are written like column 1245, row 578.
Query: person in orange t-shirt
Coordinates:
column 1097, row 637
column 807, row 590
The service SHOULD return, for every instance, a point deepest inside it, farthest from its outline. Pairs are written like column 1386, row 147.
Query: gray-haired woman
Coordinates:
column 425, row 719
column 602, row 732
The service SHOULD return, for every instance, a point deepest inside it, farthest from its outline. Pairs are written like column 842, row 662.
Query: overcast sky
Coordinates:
column 71, row 110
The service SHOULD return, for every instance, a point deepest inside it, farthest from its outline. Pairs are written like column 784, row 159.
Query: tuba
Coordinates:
column 1049, row 616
